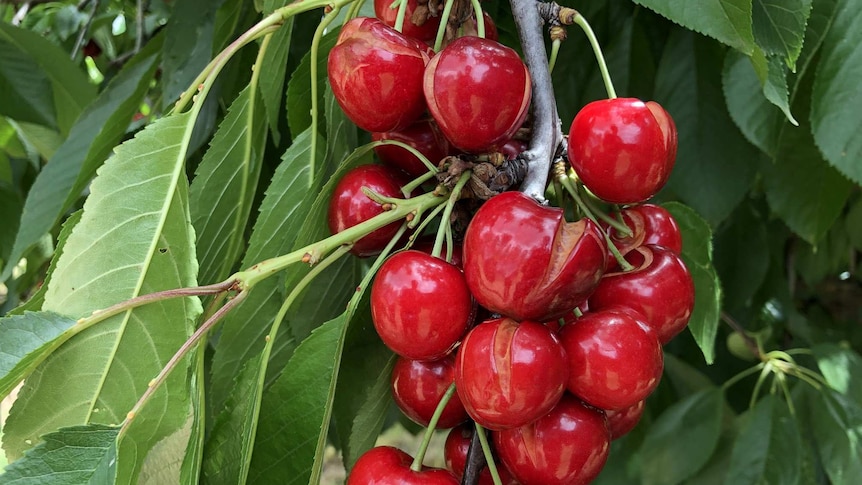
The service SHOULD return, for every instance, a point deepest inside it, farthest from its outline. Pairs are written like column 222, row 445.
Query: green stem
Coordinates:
column 447, row 213
column 620, row 227
column 444, row 21
column 100, row 315
column 597, row 50
column 480, row 18
column 399, row 19
column 767, row 369
column 742, row 375
column 408, row 188
column 489, row 457
column 416, row 153
column 315, row 115
column 416, row 466
column 555, row 49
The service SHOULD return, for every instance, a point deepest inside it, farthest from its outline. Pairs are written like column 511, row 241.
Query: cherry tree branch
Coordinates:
column 475, row 462
column 547, row 133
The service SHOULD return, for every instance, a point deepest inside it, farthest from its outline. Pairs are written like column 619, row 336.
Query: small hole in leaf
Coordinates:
column 163, row 250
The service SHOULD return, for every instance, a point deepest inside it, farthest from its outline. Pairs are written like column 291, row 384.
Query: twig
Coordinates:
column 139, row 27
column 547, row 132
column 83, row 33
column 475, row 461
column 749, row 342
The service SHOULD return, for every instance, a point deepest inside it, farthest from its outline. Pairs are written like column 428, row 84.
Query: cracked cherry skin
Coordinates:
column 478, row 92
column 425, row 32
column 523, row 260
column 660, row 289
column 623, row 149
column 417, row 387
column 376, row 75
column 650, row 224
column 385, row 465
column 509, row 374
column 615, row 360
column 420, row 305
column 569, row 445
column 349, row 206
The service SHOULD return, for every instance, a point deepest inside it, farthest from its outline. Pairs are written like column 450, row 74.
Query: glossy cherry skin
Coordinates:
column 420, row 305
column 622, row 421
column 349, row 206
column 523, row 260
column 509, row 374
column 376, row 75
column 425, row 32
column 385, row 465
column 569, row 446
column 417, row 387
column 423, row 136
column 650, row 224
column 623, row 149
column 478, row 92
column 660, row 288
column 455, row 453
column 615, row 360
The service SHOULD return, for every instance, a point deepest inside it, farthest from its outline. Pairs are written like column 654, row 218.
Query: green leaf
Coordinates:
column 342, row 135
column 751, row 111
column 100, row 127
column 70, row 456
column 768, row 448
column 272, row 76
column 779, row 27
column 681, row 441
column 697, row 255
column 282, row 212
column 836, row 108
column 133, row 238
column 10, row 212
column 223, row 190
column 26, row 88
column 837, row 426
column 853, row 224
column 71, row 90
column 299, row 86
column 729, row 21
column 715, row 165
column 188, row 45
column 842, row 368
column 741, row 257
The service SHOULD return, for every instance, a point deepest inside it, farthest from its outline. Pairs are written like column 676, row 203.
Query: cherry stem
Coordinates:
column 315, row 48
column 104, row 314
column 413, row 151
column 620, row 227
column 187, row 346
column 399, row 19
column 764, row 373
column 578, row 313
column 555, row 50
column 489, row 457
column 597, row 50
column 742, row 375
column 475, row 461
column 547, row 133
column 416, row 466
column 480, row 18
column 447, row 213
column 444, row 21
column 408, row 188
column 749, row 342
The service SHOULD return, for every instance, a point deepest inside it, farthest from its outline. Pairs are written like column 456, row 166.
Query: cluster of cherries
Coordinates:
column 552, row 342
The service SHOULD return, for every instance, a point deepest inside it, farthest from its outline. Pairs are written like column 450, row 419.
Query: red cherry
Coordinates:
column 424, row 32
column 478, row 92
column 623, row 149
column 513, row 148
column 376, row 75
column 418, row 386
column 509, row 374
column 650, row 224
column 569, row 445
column 420, row 305
column 349, row 206
column 622, row 421
column 615, row 360
column 660, row 288
column 523, row 260
column 471, row 27
column 385, row 465
column 426, row 245
column 423, row 136
column 455, row 453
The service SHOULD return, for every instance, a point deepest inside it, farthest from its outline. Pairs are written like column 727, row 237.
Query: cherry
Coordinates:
column 376, row 75
column 420, row 305
column 423, row 136
column 513, row 148
column 650, row 224
column 349, row 206
column 471, row 27
column 523, row 260
column 385, row 465
column 478, row 92
column 615, row 360
column 426, row 245
column 417, row 387
column 455, row 453
column 509, row 374
column 419, row 25
column 568, row 445
column 623, row 149
column 622, row 421
column 660, row 288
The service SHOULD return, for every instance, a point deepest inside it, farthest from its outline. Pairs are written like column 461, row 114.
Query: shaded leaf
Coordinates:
column 26, row 340
column 272, row 76
column 751, row 111
column 70, row 456
column 741, row 257
column 697, row 255
column 837, row 427
column 768, row 448
column 729, row 21
column 11, row 206
column 681, row 441
column 779, row 26
column 100, row 127
column 842, row 368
